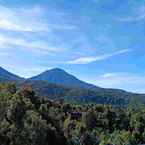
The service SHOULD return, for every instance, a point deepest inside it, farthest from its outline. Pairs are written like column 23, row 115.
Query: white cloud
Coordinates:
column 35, row 46
column 31, row 19
column 127, row 81
column 138, row 15
column 90, row 59
column 27, row 20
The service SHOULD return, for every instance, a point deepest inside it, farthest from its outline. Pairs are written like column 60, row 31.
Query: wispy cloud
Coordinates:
column 138, row 15
column 128, row 81
column 22, row 19
column 90, row 59
column 31, row 19
column 35, row 46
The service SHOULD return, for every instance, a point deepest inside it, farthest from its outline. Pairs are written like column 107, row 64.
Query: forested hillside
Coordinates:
column 79, row 95
column 27, row 119
column 57, row 84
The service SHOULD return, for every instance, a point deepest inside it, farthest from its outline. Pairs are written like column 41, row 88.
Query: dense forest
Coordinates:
column 28, row 119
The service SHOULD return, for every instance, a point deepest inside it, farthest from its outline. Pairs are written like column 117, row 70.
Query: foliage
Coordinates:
column 26, row 119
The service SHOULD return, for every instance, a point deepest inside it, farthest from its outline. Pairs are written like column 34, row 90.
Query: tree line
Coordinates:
column 27, row 119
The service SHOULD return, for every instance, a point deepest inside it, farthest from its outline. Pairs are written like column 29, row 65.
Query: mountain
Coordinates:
column 61, row 77
column 69, row 86
column 79, row 95
column 6, row 76
column 56, row 84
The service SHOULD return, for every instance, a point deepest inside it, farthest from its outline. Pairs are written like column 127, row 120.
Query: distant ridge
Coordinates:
column 8, row 76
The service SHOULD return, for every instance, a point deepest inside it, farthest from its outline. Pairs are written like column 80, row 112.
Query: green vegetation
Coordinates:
column 26, row 119
column 78, row 95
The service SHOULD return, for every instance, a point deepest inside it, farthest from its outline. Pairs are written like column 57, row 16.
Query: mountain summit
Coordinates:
column 60, row 77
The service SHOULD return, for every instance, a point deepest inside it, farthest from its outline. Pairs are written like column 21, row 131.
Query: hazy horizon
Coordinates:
column 98, row 41
column 89, row 82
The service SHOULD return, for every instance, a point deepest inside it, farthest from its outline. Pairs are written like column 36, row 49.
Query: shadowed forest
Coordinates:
column 27, row 119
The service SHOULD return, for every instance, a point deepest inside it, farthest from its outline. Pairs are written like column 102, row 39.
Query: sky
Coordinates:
column 99, row 41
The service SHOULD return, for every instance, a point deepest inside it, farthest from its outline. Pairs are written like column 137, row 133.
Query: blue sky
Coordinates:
column 99, row 41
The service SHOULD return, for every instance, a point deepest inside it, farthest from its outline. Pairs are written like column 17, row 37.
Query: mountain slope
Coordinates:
column 61, row 77
column 6, row 76
column 78, row 95
column 56, row 84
